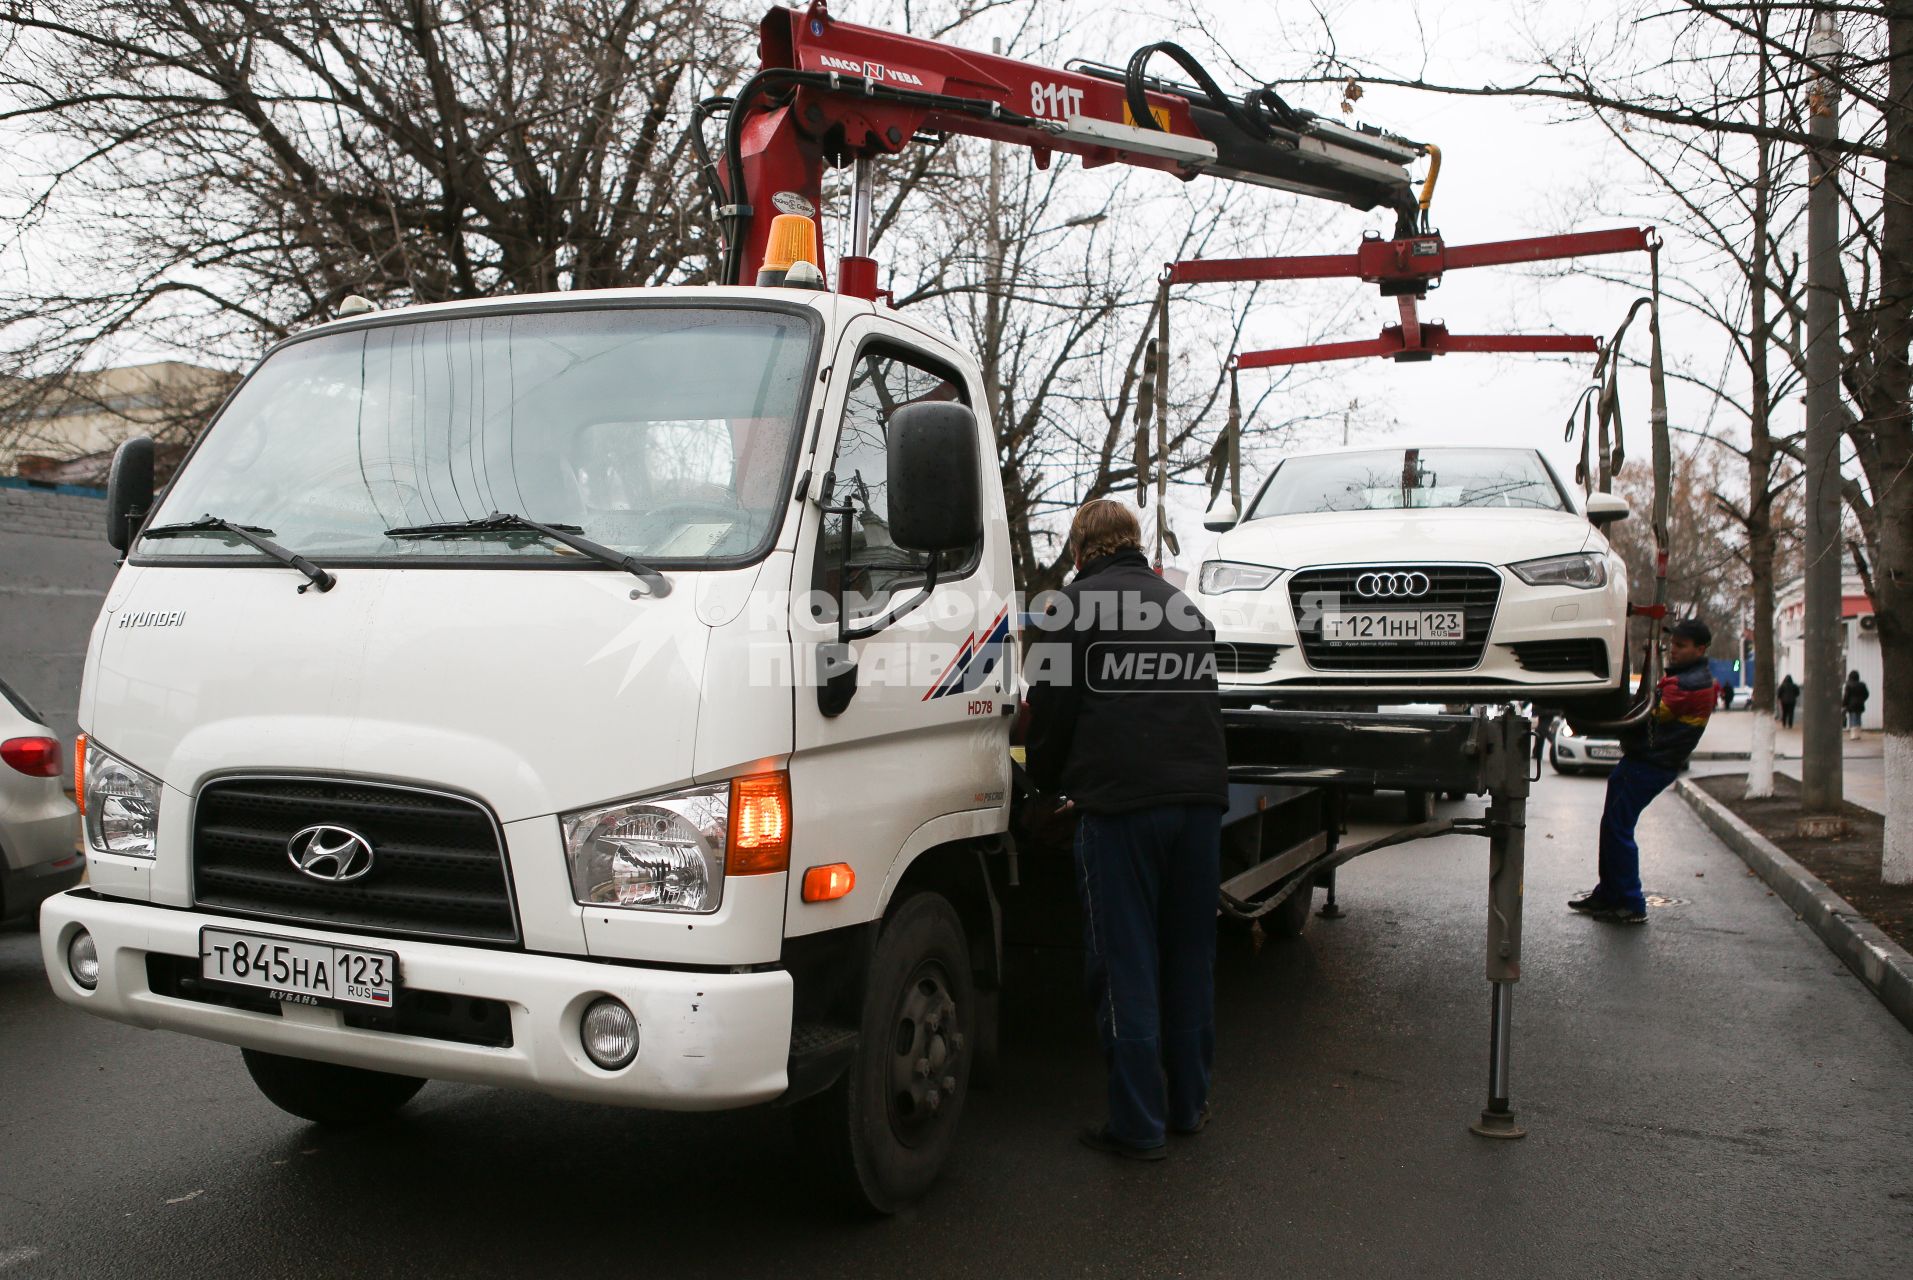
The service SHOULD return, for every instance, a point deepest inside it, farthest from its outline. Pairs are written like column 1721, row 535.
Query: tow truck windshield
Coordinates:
column 1410, row 479
column 661, row 432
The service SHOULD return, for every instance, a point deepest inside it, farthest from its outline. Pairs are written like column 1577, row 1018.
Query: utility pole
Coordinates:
column 1822, row 784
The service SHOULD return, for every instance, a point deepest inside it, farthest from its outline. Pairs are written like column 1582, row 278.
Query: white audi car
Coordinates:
column 1402, row 575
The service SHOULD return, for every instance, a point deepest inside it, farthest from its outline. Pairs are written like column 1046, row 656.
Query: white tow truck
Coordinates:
column 609, row 694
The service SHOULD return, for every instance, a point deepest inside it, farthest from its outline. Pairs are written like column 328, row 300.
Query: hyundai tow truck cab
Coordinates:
column 558, row 693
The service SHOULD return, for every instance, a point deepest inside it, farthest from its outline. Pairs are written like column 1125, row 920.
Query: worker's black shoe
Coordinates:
column 1620, row 914
column 1202, row 1122
column 1097, row 1137
column 1591, row 901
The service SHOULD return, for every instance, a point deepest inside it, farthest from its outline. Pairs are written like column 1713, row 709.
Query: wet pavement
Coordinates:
column 1711, row 1094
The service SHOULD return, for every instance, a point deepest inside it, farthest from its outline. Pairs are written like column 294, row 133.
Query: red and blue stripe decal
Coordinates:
column 975, row 660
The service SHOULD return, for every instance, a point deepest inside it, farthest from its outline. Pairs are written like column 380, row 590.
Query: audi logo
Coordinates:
column 1395, row 585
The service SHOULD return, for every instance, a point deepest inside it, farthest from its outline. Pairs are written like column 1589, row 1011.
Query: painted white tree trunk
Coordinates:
column 1760, row 765
column 1896, row 856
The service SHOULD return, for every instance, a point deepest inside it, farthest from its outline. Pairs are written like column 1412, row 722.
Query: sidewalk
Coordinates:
column 1731, row 733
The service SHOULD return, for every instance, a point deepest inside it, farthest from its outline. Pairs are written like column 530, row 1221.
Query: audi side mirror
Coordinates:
column 1605, row 509
column 129, row 491
column 1221, row 516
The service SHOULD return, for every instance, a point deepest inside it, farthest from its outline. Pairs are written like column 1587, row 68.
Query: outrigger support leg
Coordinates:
column 1507, row 775
column 1329, row 910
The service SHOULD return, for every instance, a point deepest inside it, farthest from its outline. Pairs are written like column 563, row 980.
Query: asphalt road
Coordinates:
column 1710, row 1094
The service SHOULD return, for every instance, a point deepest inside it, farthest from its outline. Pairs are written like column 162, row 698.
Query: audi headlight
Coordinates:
column 1220, row 576
column 665, row 853
column 1584, row 569
column 121, row 805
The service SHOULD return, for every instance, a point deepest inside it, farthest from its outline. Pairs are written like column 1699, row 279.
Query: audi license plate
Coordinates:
column 299, row 972
column 1387, row 626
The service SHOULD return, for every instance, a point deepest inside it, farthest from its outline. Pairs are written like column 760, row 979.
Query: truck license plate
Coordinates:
column 1383, row 626
column 299, row 972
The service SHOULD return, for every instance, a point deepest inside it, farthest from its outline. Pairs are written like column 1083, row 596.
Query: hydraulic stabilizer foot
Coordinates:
column 1506, row 773
column 1498, row 1124
column 1329, row 910
column 1497, row 1121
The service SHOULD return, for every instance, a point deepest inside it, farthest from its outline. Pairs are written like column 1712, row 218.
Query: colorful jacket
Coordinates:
column 1673, row 728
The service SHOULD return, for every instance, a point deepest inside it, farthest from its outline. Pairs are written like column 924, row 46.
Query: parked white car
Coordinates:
column 39, row 827
column 1573, row 752
column 1398, row 575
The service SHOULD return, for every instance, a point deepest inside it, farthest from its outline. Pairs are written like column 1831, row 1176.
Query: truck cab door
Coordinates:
column 920, row 754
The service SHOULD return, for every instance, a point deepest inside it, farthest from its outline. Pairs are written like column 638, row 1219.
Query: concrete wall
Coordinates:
column 55, row 566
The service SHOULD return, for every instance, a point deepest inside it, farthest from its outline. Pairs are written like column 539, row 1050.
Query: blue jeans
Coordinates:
column 1630, row 788
column 1148, row 882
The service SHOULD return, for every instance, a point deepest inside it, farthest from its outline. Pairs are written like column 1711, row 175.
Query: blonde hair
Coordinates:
column 1103, row 527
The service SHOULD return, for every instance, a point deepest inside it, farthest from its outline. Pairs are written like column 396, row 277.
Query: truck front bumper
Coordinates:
column 705, row 1040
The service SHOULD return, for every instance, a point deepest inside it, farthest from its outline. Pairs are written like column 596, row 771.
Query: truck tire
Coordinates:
column 882, row 1132
column 326, row 1093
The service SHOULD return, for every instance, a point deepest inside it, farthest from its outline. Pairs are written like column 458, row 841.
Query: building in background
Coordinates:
column 63, row 430
column 1859, row 637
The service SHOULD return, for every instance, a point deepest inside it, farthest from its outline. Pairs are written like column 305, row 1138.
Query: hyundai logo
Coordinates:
column 1397, row 585
column 332, row 854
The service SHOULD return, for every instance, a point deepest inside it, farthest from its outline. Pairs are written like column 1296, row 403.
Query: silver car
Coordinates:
column 39, row 827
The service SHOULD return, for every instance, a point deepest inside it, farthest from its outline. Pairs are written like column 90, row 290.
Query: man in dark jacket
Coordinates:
column 1853, row 701
column 1652, row 756
column 1126, row 727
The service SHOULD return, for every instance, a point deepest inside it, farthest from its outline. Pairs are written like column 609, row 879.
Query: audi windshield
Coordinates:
column 665, row 432
column 1411, row 479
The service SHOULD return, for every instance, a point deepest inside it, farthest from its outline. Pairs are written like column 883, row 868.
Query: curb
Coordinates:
column 1878, row 961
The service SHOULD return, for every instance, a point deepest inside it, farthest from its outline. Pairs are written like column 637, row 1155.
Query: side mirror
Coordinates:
column 936, row 491
column 1221, row 517
column 1605, row 509
column 129, row 491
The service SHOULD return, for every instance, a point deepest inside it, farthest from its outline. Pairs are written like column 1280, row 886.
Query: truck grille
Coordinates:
column 1475, row 590
column 438, row 867
column 1562, row 656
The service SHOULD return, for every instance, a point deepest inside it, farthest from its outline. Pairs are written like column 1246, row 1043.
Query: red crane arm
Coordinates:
column 834, row 92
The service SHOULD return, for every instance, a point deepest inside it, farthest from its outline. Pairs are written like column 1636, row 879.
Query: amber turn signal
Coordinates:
column 827, row 884
column 760, row 824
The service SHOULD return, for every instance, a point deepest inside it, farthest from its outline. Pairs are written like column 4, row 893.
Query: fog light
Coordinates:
column 83, row 960
column 610, row 1034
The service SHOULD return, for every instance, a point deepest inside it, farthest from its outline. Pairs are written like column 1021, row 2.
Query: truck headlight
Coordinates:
column 1584, row 569
column 665, row 853
column 121, row 805
column 1219, row 576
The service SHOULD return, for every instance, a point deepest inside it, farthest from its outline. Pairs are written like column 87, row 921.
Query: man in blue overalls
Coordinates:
column 1652, row 755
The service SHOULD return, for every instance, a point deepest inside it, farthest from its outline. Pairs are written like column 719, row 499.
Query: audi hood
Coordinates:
column 1441, row 535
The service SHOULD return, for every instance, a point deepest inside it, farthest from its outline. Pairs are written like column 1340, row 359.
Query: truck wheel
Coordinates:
column 1289, row 919
column 327, row 1094
column 883, row 1130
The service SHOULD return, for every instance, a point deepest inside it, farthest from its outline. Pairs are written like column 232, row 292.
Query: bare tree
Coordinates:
column 220, row 173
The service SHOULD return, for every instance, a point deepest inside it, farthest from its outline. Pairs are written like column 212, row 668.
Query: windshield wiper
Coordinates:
column 568, row 534
column 254, row 536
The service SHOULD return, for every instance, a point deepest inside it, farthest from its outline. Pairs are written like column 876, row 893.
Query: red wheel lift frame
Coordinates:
column 1406, row 269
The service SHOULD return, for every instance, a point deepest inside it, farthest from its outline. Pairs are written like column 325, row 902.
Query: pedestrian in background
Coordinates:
column 1125, row 722
column 1853, row 701
column 1787, row 694
column 1653, row 753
